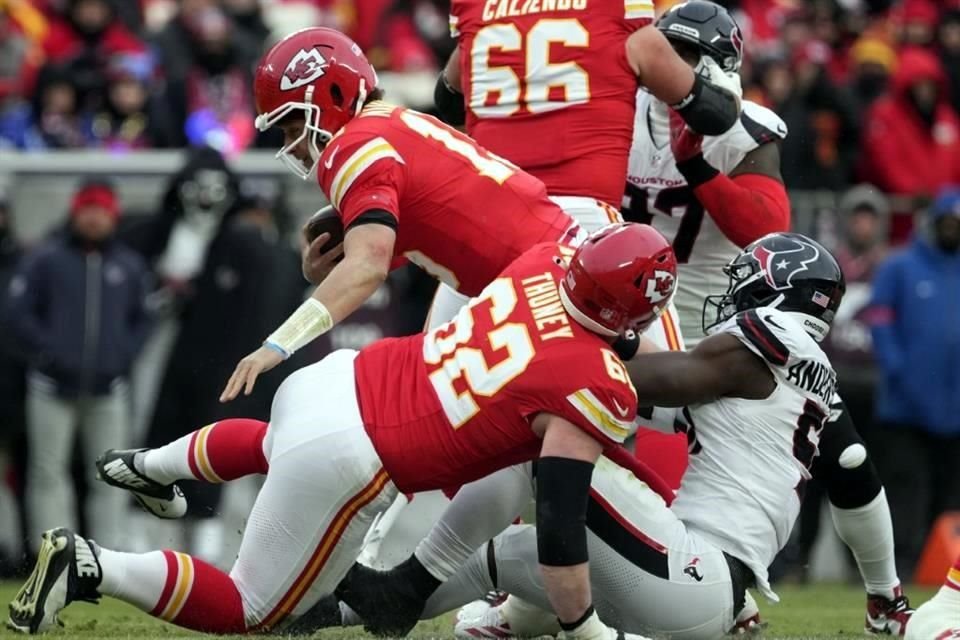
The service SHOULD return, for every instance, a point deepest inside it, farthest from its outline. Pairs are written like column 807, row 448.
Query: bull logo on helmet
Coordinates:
column 790, row 258
column 660, row 286
column 303, row 68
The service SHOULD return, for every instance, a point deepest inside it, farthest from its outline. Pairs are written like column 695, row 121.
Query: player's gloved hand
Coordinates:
column 593, row 629
column 245, row 375
column 684, row 141
column 316, row 263
column 713, row 73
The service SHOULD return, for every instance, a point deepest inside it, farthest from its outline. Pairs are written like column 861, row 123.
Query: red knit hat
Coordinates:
column 96, row 194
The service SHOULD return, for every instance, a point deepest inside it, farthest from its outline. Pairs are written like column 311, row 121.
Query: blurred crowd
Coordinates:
column 870, row 91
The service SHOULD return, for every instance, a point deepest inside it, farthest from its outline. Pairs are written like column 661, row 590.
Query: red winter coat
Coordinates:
column 901, row 154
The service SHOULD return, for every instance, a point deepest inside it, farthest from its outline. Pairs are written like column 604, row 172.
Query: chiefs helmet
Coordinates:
column 321, row 73
column 620, row 279
column 786, row 271
column 707, row 26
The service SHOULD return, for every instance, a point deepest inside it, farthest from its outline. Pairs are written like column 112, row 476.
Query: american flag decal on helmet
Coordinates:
column 821, row 299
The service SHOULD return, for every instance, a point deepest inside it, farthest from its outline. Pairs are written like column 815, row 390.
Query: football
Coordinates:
column 326, row 220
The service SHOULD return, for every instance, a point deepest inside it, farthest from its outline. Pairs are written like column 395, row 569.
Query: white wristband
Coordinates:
column 310, row 320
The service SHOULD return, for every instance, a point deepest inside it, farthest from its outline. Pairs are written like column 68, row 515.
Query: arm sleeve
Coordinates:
column 746, row 207
column 882, row 315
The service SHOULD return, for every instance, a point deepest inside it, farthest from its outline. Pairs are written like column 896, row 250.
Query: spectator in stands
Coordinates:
column 12, row 393
column 209, row 68
column 88, row 26
column 819, row 152
column 873, row 60
column 416, row 35
column 52, row 119
column 76, row 305
column 949, row 38
column 917, row 20
column 130, row 117
column 911, row 144
column 216, row 257
column 915, row 315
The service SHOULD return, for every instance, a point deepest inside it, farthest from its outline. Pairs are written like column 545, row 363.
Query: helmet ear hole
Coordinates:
column 337, row 94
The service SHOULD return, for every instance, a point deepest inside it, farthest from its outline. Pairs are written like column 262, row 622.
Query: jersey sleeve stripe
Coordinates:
column 454, row 30
column 355, row 165
column 766, row 343
column 635, row 9
column 593, row 410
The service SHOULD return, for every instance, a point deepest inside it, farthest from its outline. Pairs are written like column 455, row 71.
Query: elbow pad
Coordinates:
column 563, row 489
column 708, row 110
column 449, row 102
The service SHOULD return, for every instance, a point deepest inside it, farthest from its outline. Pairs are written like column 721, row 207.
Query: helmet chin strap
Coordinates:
column 361, row 97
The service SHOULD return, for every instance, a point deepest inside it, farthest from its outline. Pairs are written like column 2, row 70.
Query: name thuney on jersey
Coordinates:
column 813, row 377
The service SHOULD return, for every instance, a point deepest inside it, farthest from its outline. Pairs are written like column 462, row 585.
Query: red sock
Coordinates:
column 227, row 450
column 199, row 596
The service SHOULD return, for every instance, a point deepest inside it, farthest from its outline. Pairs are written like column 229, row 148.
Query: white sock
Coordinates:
column 868, row 532
column 349, row 617
column 169, row 463
column 137, row 578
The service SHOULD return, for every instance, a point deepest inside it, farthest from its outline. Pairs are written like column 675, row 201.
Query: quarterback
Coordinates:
column 525, row 371
column 406, row 187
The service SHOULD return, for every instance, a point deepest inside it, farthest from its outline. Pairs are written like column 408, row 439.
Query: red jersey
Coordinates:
column 548, row 86
column 461, row 213
column 455, row 404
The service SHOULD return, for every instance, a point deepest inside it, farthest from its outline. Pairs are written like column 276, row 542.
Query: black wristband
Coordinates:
column 570, row 626
column 697, row 170
column 708, row 109
column 449, row 102
column 563, row 488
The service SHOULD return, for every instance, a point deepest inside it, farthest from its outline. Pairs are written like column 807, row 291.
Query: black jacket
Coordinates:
column 80, row 314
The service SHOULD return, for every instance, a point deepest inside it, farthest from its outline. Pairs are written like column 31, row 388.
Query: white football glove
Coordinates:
column 593, row 629
column 712, row 72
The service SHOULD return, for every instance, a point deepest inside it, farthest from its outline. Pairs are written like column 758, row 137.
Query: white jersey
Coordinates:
column 749, row 459
column 658, row 194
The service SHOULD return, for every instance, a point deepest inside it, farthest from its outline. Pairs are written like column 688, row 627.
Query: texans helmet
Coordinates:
column 785, row 271
column 707, row 26
column 320, row 73
column 620, row 279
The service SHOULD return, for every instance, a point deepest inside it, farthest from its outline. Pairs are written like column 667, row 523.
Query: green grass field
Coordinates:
column 823, row 611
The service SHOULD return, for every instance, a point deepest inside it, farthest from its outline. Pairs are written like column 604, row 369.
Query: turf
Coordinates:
column 822, row 611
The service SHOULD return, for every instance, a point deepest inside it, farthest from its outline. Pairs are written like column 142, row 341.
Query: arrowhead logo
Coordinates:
column 303, row 68
column 660, row 286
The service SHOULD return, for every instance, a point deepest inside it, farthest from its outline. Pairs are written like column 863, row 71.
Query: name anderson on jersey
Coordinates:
column 814, row 378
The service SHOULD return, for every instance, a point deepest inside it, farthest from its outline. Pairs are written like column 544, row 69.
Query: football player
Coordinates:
column 752, row 400
column 525, row 371
column 712, row 195
column 406, row 186
column 939, row 617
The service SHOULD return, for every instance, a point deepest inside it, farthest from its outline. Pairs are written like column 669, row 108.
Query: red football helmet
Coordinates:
column 621, row 278
column 319, row 71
